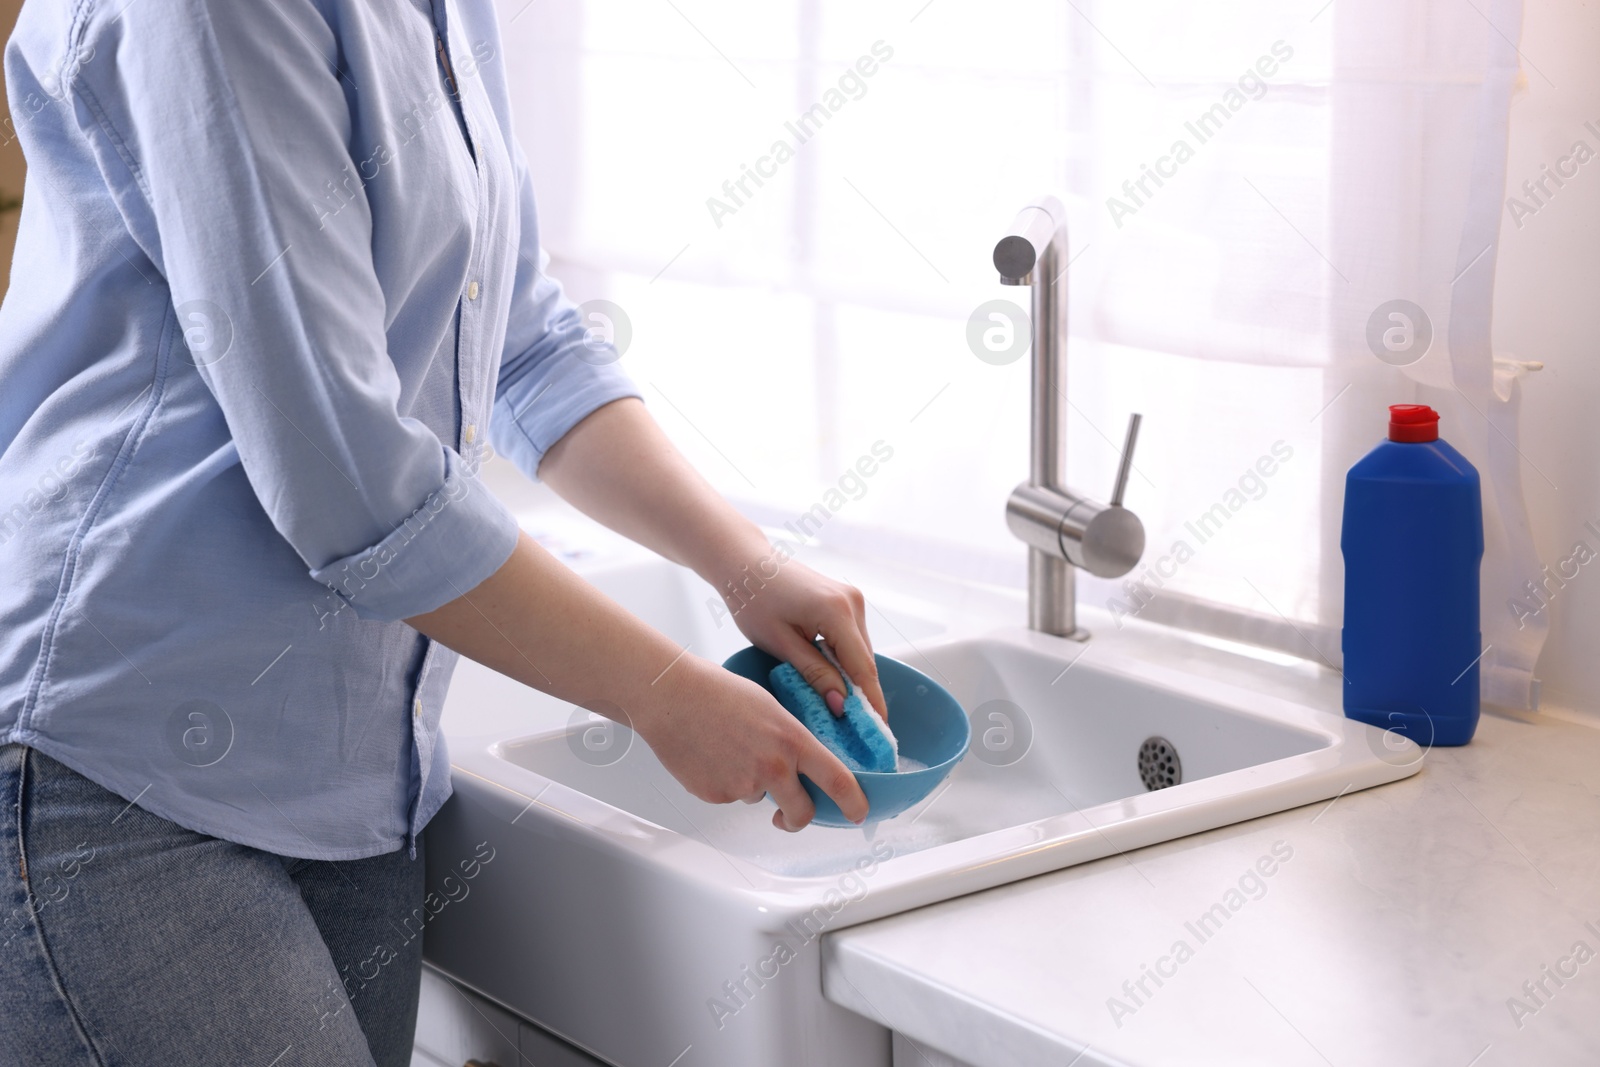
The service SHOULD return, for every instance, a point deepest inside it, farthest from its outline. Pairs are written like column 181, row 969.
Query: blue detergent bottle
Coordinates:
column 1412, row 543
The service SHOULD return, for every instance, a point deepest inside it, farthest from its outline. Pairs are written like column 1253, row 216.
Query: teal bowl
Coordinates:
column 927, row 722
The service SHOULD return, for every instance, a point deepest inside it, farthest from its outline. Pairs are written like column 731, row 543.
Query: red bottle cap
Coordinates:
column 1413, row 423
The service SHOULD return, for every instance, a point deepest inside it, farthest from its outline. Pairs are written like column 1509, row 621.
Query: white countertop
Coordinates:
column 1402, row 922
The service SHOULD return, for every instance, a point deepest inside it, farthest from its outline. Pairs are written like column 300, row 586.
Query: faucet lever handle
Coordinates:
column 1125, row 466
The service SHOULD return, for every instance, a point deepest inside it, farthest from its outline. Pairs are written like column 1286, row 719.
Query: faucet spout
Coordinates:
column 1062, row 529
column 1029, row 240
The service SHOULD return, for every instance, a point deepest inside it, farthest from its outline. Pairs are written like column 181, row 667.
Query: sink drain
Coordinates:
column 1159, row 765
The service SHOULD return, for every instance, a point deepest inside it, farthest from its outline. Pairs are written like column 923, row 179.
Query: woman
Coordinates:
column 277, row 279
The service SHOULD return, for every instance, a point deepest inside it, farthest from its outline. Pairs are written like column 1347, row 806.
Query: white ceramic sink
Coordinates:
column 644, row 925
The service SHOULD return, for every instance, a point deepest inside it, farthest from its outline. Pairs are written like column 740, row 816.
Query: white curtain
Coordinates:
column 1423, row 117
column 1247, row 184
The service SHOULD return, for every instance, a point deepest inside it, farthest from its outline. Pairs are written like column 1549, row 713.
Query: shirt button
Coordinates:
column 472, row 291
column 472, row 433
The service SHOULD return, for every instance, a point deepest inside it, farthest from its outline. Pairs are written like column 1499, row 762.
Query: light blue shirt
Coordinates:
column 273, row 289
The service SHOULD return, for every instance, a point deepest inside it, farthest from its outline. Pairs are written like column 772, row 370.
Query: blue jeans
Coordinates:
column 128, row 941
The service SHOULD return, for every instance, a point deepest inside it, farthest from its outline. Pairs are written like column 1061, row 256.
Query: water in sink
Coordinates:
column 1046, row 741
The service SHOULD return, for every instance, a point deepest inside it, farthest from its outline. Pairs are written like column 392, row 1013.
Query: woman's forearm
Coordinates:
column 724, row 737
column 536, row 621
column 617, row 467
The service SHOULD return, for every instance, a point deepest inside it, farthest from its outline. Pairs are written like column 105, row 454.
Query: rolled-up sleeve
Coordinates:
column 556, row 369
column 374, row 503
column 421, row 561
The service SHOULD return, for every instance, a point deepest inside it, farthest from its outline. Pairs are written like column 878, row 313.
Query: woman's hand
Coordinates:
column 783, row 614
column 725, row 738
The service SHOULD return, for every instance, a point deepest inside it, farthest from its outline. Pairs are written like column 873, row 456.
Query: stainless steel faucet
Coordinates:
column 1062, row 529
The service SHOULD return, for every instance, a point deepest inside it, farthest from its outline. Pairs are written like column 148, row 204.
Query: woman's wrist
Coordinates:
column 650, row 704
column 736, row 558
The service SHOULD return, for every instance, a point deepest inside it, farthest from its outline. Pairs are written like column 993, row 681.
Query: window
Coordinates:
column 1235, row 214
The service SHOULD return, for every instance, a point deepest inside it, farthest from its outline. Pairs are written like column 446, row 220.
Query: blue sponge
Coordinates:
column 859, row 737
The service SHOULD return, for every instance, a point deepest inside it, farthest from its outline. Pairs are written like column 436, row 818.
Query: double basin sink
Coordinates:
column 655, row 930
